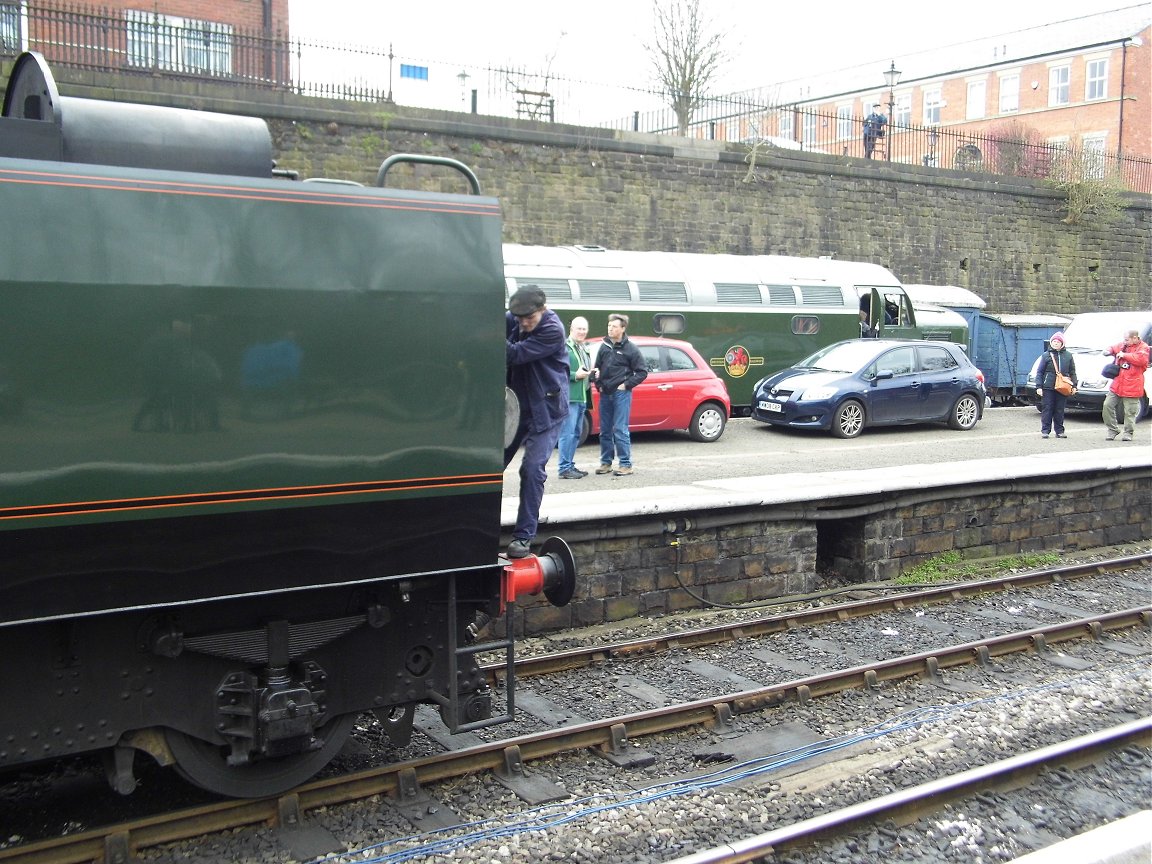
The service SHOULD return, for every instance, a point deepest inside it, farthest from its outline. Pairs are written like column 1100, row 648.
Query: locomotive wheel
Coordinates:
column 206, row 764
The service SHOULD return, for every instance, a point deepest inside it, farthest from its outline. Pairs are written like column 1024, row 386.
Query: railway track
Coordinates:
column 813, row 616
column 615, row 737
column 908, row 806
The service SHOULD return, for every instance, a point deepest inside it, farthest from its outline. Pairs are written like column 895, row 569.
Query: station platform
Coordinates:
column 561, row 507
column 1125, row 841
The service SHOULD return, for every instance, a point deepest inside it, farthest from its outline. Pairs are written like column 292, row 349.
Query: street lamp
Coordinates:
column 891, row 77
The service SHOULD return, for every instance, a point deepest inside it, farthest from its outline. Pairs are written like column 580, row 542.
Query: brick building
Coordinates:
column 1081, row 83
column 240, row 40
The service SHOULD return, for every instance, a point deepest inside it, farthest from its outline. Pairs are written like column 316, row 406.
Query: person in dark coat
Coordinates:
column 1055, row 359
column 874, row 125
column 618, row 368
column 537, row 358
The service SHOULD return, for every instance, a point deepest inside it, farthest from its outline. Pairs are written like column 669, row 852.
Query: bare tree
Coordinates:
column 687, row 50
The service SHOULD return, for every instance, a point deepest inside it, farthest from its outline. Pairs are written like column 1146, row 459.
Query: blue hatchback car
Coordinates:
column 873, row 382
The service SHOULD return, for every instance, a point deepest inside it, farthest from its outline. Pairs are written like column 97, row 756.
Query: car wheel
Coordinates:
column 585, row 429
column 965, row 412
column 707, row 422
column 849, row 420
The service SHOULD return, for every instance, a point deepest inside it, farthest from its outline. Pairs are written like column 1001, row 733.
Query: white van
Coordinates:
column 1087, row 337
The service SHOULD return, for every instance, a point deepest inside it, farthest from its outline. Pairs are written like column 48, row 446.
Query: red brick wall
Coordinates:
column 1130, row 76
column 247, row 15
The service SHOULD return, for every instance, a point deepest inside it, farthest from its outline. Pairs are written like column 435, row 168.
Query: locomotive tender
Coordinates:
column 251, row 488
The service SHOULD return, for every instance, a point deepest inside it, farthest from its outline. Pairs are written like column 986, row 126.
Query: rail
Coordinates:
column 118, row 842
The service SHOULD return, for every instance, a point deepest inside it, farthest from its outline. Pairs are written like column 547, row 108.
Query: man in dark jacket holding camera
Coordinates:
column 619, row 367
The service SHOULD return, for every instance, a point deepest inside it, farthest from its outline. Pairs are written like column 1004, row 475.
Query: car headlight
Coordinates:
column 816, row 394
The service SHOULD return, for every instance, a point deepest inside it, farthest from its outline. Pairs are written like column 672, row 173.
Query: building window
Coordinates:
column 176, row 44
column 977, row 100
column 418, row 73
column 903, row 110
column 1093, row 148
column 1096, row 80
column 785, row 125
column 932, row 105
column 1058, row 77
column 809, row 129
column 843, row 122
column 1009, row 94
column 10, row 28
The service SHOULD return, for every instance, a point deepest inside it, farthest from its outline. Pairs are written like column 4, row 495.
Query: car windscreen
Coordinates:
column 841, row 357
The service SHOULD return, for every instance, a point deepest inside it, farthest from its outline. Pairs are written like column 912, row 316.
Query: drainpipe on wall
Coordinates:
column 1123, row 76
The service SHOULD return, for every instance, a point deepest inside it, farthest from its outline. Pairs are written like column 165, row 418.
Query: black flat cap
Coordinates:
column 526, row 300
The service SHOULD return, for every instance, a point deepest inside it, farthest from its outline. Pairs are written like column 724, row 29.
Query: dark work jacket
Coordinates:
column 619, row 364
column 1046, row 375
column 538, row 370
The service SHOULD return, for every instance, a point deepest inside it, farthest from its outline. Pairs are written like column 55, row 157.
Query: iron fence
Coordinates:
column 147, row 43
column 135, row 42
column 796, row 127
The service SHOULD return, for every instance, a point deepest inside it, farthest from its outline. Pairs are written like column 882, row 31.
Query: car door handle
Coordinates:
column 663, row 386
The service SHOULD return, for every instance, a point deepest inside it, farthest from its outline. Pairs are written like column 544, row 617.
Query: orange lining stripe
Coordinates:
column 273, row 198
column 246, row 495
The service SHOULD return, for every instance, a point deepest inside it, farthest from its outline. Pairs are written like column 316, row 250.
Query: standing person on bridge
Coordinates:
column 1127, row 388
column 1052, row 402
column 537, row 361
column 874, row 125
column 619, row 367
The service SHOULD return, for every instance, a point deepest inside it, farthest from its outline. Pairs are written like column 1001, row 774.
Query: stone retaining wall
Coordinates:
column 750, row 555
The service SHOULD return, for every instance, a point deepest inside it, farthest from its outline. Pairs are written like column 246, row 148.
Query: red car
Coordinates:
column 680, row 392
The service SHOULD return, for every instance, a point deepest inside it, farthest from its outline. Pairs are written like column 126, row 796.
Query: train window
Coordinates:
column 662, row 292
column 554, row 289
column 805, row 325
column 604, row 289
column 821, row 295
column 738, row 294
column 668, row 325
column 781, row 295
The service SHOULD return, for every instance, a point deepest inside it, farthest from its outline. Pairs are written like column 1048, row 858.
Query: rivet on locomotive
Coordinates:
column 252, row 439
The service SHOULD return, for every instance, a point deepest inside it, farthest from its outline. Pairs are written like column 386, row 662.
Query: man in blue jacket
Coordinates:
column 537, row 358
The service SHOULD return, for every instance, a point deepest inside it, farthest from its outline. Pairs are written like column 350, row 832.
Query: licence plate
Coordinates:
column 769, row 406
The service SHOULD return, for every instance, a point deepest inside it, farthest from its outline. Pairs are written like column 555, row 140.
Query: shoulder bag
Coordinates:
column 1064, row 384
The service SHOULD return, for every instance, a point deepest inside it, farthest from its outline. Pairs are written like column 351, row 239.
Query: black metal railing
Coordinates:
column 84, row 37
column 792, row 126
column 135, row 42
